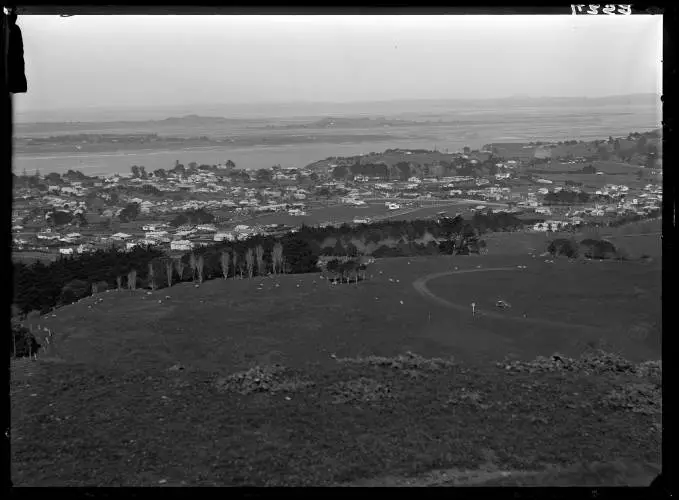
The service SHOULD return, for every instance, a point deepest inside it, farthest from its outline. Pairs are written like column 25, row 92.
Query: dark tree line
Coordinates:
column 42, row 287
column 589, row 248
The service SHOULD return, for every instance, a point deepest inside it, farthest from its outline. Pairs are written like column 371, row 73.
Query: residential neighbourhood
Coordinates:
column 73, row 214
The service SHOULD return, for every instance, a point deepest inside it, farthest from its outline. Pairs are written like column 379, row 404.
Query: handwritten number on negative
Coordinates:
column 608, row 9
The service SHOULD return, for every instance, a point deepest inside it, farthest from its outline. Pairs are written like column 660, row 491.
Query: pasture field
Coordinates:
column 615, row 167
column 347, row 213
column 135, row 389
column 616, row 301
column 637, row 239
column 598, row 181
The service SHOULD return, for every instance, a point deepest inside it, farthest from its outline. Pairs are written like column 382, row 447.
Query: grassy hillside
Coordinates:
column 139, row 388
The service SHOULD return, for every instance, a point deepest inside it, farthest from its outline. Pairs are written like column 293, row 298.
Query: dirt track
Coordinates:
column 420, row 286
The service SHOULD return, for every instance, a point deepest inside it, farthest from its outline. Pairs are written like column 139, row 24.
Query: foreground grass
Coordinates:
column 289, row 381
column 75, row 425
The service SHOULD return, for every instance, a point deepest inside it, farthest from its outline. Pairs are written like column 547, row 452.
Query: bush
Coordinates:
column 598, row 249
column 23, row 341
column 99, row 286
column 563, row 246
column 74, row 290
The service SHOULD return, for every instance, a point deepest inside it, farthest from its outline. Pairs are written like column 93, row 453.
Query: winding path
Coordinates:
column 420, row 286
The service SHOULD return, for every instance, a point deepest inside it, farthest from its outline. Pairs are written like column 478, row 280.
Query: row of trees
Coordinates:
column 41, row 286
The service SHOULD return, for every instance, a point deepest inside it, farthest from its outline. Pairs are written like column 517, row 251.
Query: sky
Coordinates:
column 130, row 61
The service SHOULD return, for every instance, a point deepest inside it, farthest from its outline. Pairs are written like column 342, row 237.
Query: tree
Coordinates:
column 200, row 265
column 142, row 172
column 264, row 175
column 604, row 154
column 160, row 173
column 179, row 169
column 641, row 145
column 234, row 261
column 259, row 251
column 74, row 290
column 230, row 165
column 193, row 264
column 130, row 212
column 299, row 255
column 179, row 266
column 340, row 172
column 250, row 262
column 224, row 261
column 152, row 276
column 132, row 280
column 135, row 171
column 277, row 257
column 52, row 177
column 119, row 283
column 338, row 249
column 168, row 272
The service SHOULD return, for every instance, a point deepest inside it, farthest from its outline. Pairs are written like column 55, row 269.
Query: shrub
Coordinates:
column 74, row 290
column 598, row 249
column 563, row 246
column 23, row 341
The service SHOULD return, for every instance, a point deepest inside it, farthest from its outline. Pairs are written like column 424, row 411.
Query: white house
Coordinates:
column 365, row 220
column 222, row 236
column 156, row 234
column 66, row 251
column 181, row 245
column 121, row 236
column 85, row 247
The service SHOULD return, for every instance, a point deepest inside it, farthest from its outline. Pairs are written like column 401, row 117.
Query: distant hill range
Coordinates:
column 257, row 111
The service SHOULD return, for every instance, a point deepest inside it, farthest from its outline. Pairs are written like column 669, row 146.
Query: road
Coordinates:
column 420, row 286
